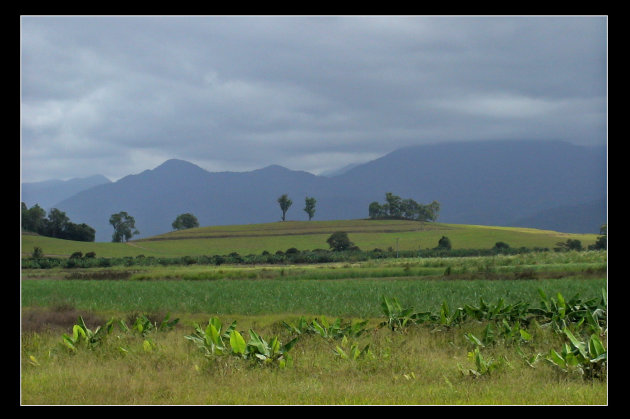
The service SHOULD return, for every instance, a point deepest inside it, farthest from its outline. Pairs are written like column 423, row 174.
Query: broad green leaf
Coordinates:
column 325, row 323
column 319, row 329
column 67, row 341
column 84, row 327
column 580, row 346
column 287, row 346
column 77, row 331
column 274, row 345
column 602, row 357
column 595, row 346
column 257, row 342
column 237, row 343
column 556, row 359
column 227, row 332
column 214, row 335
column 473, row 339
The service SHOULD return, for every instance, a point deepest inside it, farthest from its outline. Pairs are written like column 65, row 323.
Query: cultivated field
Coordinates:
column 411, row 331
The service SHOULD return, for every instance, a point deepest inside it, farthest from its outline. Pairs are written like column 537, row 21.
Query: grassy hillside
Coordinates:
column 307, row 235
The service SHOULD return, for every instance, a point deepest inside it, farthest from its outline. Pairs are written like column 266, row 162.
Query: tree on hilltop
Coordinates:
column 124, row 227
column 184, row 221
column 285, row 204
column 309, row 207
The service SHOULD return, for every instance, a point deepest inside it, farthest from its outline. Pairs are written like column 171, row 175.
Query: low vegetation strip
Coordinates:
column 340, row 297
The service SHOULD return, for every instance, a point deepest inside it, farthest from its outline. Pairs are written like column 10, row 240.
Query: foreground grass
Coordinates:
column 421, row 367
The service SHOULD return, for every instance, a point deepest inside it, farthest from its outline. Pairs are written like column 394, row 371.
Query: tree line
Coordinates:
column 56, row 224
column 396, row 207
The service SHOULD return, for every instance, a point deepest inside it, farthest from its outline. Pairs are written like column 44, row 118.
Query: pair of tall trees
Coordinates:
column 125, row 225
column 285, row 204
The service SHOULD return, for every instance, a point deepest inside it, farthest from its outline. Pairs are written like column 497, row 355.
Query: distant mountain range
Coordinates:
column 49, row 192
column 551, row 185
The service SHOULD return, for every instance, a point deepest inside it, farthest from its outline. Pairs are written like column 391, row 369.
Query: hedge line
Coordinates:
column 292, row 256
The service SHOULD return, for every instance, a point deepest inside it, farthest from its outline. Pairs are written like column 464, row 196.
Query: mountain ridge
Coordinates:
column 491, row 183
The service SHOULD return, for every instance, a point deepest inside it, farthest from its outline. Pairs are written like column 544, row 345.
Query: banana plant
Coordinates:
column 396, row 317
column 144, row 326
column 210, row 338
column 450, row 319
column 335, row 330
column 81, row 333
column 483, row 366
column 485, row 311
column 353, row 353
column 559, row 313
column 588, row 358
column 261, row 350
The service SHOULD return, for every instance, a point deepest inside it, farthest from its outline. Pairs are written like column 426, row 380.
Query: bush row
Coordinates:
column 291, row 256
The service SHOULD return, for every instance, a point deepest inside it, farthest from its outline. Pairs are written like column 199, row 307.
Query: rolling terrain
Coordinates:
column 307, row 235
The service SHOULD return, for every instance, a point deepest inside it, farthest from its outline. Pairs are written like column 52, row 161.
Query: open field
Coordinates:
column 422, row 366
column 432, row 362
column 307, row 235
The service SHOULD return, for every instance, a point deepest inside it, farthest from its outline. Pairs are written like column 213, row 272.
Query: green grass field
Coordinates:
column 307, row 235
column 420, row 366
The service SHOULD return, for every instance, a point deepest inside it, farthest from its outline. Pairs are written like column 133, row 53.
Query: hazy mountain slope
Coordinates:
column 572, row 218
column 488, row 183
column 48, row 193
column 485, row 182
column 155, row 197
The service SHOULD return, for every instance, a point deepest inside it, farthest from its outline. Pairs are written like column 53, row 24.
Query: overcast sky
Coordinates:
column 118, row 95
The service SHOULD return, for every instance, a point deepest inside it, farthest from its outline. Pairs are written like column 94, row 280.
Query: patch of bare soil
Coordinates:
column 60, row 318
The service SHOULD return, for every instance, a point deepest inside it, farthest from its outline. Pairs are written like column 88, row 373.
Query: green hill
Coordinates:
column 307, row 235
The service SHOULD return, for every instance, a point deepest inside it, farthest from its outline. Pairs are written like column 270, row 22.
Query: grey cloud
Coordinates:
column 239, row 93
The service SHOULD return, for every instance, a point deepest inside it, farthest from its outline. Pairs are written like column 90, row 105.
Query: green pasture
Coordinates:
column 307, row 235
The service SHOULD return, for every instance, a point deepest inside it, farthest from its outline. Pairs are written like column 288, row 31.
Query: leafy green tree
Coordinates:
column 602, row 241
column 375, row 210
column 429, row 212
column 33, row 219
column 309, row 207
column 444, row 243
column 56, row 223
column 79, row 232
column 570, row 244
column 409, row 209
column 394, row 203
column 501, row 246
column 184, row 221
column 124, row 227
column 285, row 204
column 339, row 241
column 37, row 252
